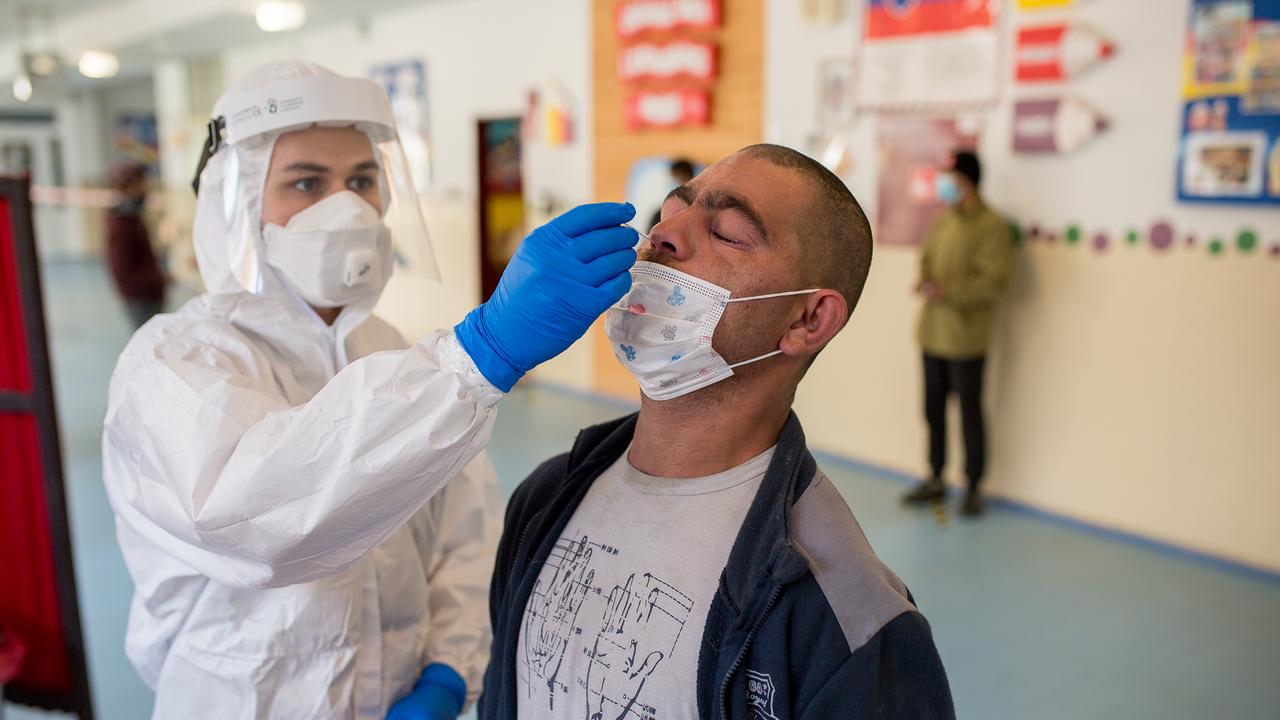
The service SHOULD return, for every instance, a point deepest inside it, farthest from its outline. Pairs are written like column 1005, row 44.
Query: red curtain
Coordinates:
column 29, row 604
column 15, row 363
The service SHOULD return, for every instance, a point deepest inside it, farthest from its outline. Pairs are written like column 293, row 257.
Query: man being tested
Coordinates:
column 692, row 560
column 268, row 449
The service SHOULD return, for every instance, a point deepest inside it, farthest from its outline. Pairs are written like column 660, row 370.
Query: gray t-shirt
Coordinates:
column 614, row 624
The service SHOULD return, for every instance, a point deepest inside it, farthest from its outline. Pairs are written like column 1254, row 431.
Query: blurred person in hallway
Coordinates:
column 135, row 271
column 965, row 268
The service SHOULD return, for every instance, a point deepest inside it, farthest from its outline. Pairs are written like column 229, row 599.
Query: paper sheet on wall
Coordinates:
column 928, row 55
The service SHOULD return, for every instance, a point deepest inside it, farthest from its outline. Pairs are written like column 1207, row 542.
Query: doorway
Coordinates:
column 501, row 205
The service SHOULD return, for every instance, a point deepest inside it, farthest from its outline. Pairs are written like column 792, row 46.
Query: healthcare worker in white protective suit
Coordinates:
column 277, row 457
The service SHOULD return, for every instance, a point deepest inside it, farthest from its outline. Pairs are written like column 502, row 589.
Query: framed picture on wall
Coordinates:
column 406, row 86
column 836, row 93
column 15, row 158
column 135, row 139
column 1224, row 164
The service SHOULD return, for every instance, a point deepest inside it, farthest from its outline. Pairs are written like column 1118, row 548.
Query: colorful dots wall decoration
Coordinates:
column 1161, row 236
column 1247, row 240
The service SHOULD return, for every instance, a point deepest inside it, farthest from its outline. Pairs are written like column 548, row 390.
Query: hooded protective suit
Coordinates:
column 279, row 483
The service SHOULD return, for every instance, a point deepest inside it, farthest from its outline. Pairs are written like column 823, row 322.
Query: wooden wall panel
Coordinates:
column 737, row 119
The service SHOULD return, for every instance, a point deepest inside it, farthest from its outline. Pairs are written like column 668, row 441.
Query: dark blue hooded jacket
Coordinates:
column 807, row 622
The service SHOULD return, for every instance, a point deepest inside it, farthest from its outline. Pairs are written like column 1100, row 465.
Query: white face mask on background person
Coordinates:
column 332, row 253
column 661, row 330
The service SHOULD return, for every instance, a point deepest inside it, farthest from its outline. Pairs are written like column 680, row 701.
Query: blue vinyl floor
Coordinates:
column 1033, row 620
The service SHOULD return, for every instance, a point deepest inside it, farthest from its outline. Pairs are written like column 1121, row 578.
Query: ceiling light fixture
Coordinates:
column 22, row 88
column 43, row 64
column 280, row 15
column 98, row 64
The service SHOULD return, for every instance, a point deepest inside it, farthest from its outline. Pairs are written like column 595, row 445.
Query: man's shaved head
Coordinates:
column 835, row 238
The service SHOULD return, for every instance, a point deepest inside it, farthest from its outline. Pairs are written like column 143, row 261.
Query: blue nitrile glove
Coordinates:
column 439, row 694
column 563, row 276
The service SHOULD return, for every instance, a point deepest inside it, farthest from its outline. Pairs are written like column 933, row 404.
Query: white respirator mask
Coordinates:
column 332, row 253
column 661, row 330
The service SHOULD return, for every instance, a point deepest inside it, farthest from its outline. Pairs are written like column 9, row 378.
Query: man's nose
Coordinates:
column 674, row 237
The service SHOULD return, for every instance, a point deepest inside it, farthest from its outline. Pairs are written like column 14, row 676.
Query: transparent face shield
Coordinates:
column 412, row 254
column 237, row 178
column 246, row 190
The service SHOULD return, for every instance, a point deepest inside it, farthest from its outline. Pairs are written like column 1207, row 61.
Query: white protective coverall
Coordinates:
column 280, row 492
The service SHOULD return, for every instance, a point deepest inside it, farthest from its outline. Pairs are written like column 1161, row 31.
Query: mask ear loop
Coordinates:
column 756, row 359
column 766, row 297
column 773, row 295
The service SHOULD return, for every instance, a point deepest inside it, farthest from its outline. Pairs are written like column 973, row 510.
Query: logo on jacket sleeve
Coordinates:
column 760, row 692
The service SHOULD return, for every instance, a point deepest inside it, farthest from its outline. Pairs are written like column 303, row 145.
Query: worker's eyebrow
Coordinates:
column 303, row 166
column 366, row 165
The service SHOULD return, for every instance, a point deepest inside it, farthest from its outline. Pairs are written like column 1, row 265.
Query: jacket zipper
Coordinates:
column 512, row 589
column 511, row 576
column 742, row 654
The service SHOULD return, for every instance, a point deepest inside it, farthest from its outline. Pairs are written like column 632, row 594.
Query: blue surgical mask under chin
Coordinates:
column 946, row 188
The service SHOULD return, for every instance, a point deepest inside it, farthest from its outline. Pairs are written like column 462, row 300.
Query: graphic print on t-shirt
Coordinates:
column 625, row 632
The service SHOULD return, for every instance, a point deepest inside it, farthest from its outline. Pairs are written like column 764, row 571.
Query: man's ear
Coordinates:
column 825, row 312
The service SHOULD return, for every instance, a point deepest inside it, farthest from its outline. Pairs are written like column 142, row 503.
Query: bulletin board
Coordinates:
column 37, row 582
column 1230, row 146
column 736, row 119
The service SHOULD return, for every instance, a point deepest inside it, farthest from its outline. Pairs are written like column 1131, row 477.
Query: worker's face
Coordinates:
column 736, row 225
column 309, row 165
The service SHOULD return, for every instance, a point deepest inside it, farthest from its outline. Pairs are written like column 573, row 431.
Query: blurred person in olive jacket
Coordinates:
column 134, row 268
column 964, row 270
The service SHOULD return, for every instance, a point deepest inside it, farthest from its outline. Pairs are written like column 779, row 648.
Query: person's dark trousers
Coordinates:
column 963, row 377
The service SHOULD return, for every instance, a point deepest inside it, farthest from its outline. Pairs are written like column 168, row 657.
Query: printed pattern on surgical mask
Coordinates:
column 662, row 330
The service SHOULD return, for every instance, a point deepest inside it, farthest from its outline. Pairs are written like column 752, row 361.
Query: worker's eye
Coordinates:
column 307, row 185
column 360, row 184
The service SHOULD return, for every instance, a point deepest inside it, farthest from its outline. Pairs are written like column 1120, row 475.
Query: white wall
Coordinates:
column 1132, row 389
column 482, row 57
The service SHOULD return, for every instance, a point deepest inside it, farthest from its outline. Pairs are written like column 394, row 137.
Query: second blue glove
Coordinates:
column 438, row 695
